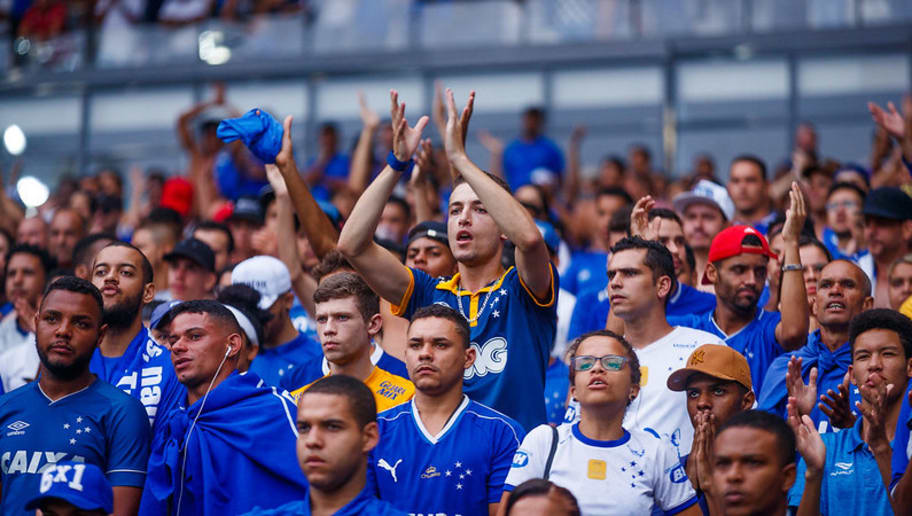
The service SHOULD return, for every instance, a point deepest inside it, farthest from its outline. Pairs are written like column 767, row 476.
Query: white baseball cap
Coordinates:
column 265, row 274
column 706, row 192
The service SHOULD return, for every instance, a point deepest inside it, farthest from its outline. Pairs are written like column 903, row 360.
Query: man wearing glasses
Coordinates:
column 640, row 278
column 610, row 467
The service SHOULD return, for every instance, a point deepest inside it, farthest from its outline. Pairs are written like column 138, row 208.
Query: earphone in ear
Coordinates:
column 227, row 351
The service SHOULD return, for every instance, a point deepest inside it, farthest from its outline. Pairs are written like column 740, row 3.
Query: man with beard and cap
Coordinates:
column 127, row 357
column 70, row 414
column 737, row 269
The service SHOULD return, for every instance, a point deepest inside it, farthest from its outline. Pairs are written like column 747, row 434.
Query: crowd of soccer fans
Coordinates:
column 404, row 331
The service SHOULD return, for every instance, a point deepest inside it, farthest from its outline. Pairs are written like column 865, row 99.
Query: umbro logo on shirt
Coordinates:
column 17, row 428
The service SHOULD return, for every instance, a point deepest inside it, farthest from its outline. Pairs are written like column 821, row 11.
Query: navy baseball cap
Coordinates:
column 160, row 313
column 196, row 251
column 428, row 229
column 888, row 202
column 82, row 485
column 247, row 208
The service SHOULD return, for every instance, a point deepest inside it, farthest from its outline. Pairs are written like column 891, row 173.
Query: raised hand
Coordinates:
column 456, row 126
column 424, row 162
column 369, row 117
column 285, row 157
column 405, row 139
column 808, row 441
column 804, row 394
column 639, row 219
column 493, row 144
column 438, row 109
column 890, row 120
column 906, row 140
column 873, row 409
column 276, row 180
column 795, row 215
column 836, row 405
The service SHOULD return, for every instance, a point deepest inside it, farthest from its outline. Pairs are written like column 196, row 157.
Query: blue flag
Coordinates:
column 241, row 452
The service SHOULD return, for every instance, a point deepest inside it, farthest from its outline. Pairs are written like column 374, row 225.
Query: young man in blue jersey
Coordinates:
column 843, row 292
column 432, row 458
column 848, row 472
column 284, row 348
column 231, row 443
column 69, row 413
column 737, row 269
column 337, row 429
column 753, row 465
column 512, row 313
column 127, row 357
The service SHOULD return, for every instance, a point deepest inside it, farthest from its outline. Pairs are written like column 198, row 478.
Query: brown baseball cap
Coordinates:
column 714, row 360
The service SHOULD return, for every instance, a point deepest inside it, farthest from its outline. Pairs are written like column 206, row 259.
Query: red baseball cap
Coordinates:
column 730, row 242
column 177, row 194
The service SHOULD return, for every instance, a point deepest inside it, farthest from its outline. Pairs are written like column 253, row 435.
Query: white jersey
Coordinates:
column 626, row 476
column 657, row 409
column 19, row 365
column 10, row 334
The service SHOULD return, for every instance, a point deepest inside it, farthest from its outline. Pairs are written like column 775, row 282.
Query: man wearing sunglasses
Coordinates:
column 644, row 472
column 641, row 276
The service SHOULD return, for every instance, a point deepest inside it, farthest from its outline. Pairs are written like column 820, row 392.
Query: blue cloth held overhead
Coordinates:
column 259, row 131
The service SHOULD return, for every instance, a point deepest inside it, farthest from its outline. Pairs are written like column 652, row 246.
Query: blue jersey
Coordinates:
column 902, row 449
column 98, row 425
column 460, row 470
column 302, row 322
column 522, row 158
column 365, row 504
column 585, row 272
column 511, row 332
column 271, row 364
column 145, row 372
column 557, row 383
column 831, row 369
column 756, row 341
column 851, row 478
column 592, row 307
column 318, row 367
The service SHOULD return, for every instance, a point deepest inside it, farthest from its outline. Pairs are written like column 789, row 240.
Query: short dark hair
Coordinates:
column 84, row 245
column 882, row 319
column 806, row 240
column 79, row 286
column 632, row 360
column 147, row 271
column 213, row 309
column 399, row 201
column 331, row 262
column 664, row 213
column 535, row 111
column 48, row 263
column 541, row 487
column 500, row 182
column 658, row 258
column 349, row 284
column 615, row 191
column 211, row 225
column 167, row 218
column 620, row 220
column 845, row 185
column 768, row 422
column 240, row 298
column 755, row 160
column 445, row 312
column 361, row 401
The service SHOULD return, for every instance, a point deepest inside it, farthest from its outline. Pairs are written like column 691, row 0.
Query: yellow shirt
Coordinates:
column 906, row 308
column 389, row 389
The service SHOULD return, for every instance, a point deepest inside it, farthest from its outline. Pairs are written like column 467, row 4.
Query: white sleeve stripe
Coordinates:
column 502, row 420
column 125, row 471
column 291, row 423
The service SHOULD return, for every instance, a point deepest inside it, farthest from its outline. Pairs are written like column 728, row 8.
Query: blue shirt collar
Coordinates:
column 601, row 444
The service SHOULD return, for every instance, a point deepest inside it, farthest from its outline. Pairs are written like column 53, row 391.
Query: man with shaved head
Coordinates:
column 67, row 227
column 843, row 291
